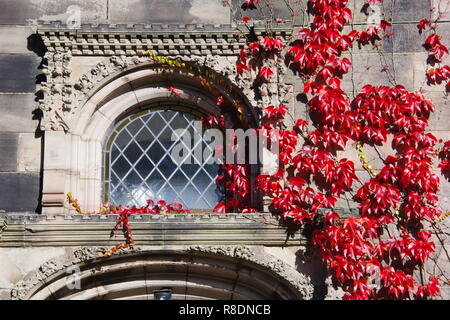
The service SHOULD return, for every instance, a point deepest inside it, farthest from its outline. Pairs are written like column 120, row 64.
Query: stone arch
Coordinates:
column 198, row 272
column 120, row 75
column 73, row 156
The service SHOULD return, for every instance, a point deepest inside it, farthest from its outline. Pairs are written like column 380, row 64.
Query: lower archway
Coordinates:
column 189, row 275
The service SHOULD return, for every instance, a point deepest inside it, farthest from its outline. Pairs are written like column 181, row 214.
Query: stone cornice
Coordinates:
column 87, row 230
column 189, row 39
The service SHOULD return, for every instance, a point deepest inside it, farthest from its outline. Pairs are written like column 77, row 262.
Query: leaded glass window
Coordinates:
column 139, row 166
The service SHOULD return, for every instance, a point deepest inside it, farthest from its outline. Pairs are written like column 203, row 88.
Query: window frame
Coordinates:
column 122, row 122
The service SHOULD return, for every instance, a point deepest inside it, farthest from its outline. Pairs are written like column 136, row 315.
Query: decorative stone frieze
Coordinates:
column 23, row 287
column 57, row 92
column 187, row 40
column 214, row 47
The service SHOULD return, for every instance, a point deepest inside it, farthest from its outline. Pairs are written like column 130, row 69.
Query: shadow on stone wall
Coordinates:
column 36, row 45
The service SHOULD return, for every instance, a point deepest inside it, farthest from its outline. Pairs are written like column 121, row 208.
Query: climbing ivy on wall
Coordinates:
column 381, row 253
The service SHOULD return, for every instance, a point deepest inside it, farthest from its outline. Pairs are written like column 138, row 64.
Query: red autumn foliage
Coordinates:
column 357, row 251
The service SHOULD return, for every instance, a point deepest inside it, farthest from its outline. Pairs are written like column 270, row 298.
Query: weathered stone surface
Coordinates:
column 21, row 12
column 440, row 119
column 29, row 153
column 11, row 273
column 8, row 152
column 279, row 9
column 19, row 192
column 148, row 230
column 398, row 10
column 406, row 38
column 408, row 10
column 17, row 113
column 5, row 294
column 18, row 73
column 14, row 39
column 444, row 193
column 168, row 11
column 379, row 70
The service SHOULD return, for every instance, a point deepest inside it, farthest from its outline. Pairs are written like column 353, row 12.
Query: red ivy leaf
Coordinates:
column 220, row 208
column 266, row 73
column 422, row 24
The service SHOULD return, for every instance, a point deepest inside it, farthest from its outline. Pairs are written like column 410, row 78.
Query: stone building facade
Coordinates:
column 71, row 69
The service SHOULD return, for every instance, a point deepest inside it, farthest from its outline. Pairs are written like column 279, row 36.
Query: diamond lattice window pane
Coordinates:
column 141, row 167
column 144, row 138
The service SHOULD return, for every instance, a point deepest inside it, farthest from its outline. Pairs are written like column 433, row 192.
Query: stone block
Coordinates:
column 445, row 292
column 29, row 153
column 407, row 10
column 399, row 10
column 19, row 192
column 27, row 260
column 279, row 8
column 406, row 38
column 5, row 294
column 444, row 196
column 14, row 39
column 18, row 73
column 370, row 69
column 8, row 152
column 420, row 68
column 169, row 11
column 11, row 273
column 438, row 7
column 440, row 119
column 18, row 113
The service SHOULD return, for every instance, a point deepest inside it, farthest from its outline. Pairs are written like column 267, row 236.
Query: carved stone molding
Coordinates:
column 3, row 226
column 256, row 255
column 79, row 230
column 57, row 100
column 189, row 39
column 215, row 47
column 251, row 256
column 61, row 100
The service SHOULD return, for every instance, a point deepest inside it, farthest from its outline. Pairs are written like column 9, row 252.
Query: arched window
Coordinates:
column 138, row 164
